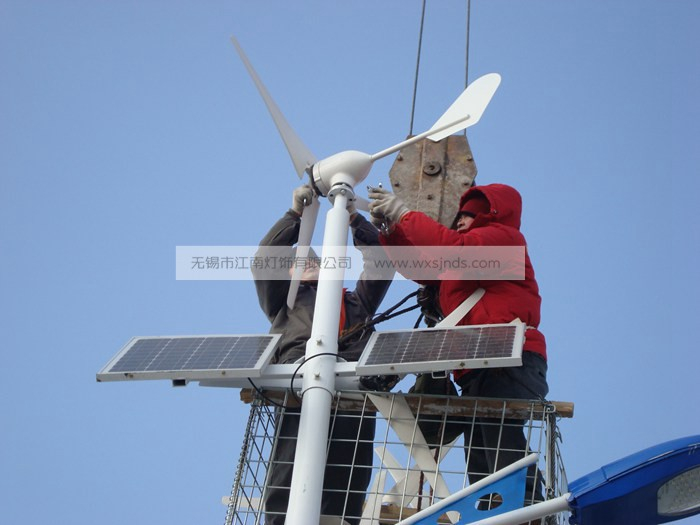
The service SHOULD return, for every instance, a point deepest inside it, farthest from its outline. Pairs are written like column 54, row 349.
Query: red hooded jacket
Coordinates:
column 504, row 300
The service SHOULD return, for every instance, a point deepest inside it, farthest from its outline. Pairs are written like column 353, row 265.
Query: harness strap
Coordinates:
column 463, row 309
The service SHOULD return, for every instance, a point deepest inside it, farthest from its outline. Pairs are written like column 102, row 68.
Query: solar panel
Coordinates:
column 191, row 357
column 441, row 349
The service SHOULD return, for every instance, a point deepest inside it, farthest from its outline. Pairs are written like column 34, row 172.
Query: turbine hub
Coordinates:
column 348, row 168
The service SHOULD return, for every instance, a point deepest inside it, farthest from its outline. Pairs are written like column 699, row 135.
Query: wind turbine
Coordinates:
column 335, row 177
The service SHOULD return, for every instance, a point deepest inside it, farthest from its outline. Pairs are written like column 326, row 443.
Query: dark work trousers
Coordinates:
column 494, row 446
column 348, row 468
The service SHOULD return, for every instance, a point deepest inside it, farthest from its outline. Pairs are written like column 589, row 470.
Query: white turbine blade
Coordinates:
column 361, row 203
column 300, row 154
column 471, row 102
column 306, row 232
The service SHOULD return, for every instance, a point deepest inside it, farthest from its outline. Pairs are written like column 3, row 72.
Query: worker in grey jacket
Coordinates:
column 350, row 448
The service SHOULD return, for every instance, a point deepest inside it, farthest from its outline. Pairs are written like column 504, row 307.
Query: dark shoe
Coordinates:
column 378, row 383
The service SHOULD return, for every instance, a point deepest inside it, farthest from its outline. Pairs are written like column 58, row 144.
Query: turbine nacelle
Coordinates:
column 347, row 168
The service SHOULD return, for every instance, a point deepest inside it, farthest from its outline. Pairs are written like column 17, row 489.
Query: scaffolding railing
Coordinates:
column 425, row 447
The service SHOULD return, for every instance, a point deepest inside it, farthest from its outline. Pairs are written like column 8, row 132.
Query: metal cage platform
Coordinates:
column 421, row 446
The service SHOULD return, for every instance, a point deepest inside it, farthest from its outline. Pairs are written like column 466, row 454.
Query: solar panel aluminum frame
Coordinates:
column 425, row 366
column 189, row 374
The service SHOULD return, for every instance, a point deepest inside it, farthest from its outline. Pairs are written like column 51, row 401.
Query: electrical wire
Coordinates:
column 389, row 314
column 420, row 318
column 262, row 394
column 296, row 372
column 384, row 316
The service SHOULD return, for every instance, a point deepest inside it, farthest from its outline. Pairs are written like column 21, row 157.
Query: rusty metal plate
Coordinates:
column 432, row 176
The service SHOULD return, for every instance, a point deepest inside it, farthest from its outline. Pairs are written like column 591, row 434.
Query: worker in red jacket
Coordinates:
column 489, row 216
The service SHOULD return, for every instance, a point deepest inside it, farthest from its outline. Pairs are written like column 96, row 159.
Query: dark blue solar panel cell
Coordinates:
column 169, row 354
column 462, row 343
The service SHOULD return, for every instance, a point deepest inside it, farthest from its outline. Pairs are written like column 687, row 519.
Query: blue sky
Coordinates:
column 129, row 128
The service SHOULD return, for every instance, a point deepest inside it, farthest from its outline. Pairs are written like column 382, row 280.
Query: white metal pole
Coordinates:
column 319, row 373
column 482, row 484
column 533, row 512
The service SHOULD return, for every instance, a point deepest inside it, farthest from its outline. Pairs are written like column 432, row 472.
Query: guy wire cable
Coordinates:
column 415, row 80
column 466, row 51
column 420, row 46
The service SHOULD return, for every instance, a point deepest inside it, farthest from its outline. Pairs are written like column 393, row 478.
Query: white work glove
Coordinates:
column 379, row 222
column 302, row 196
column 386, row 205
column 351, row 208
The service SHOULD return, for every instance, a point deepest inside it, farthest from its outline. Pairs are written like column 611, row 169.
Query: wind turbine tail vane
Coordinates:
column 463, row 113
column 472, row 102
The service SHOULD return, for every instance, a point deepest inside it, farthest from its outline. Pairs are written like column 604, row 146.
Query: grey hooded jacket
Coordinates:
column 295, row 324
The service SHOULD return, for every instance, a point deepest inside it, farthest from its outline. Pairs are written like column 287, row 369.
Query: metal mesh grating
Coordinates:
column 399, row 487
